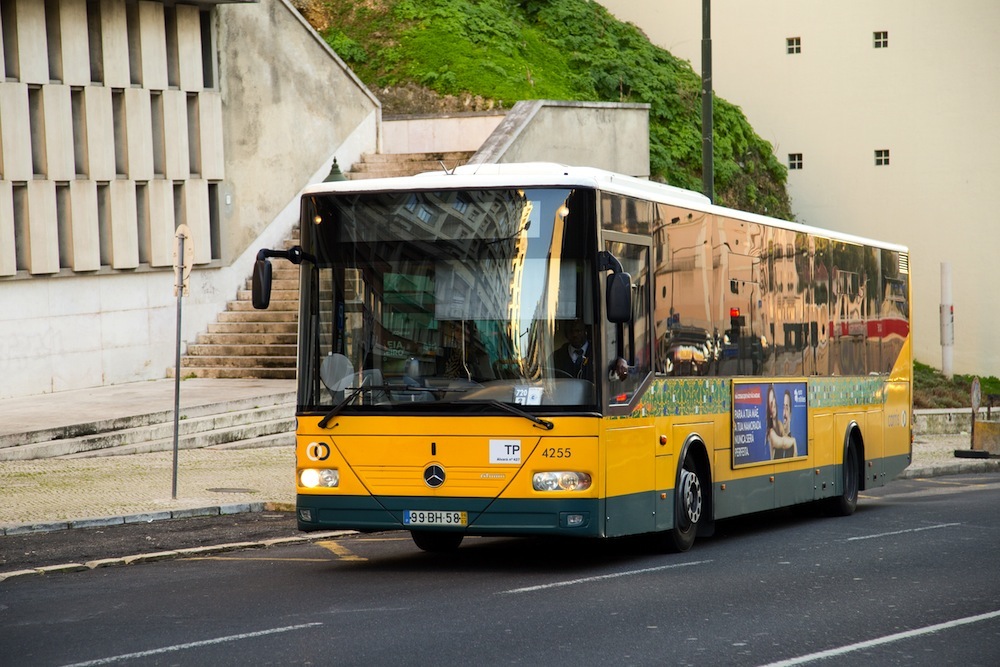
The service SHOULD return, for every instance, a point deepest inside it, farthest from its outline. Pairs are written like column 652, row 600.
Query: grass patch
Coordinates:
column 932, row 390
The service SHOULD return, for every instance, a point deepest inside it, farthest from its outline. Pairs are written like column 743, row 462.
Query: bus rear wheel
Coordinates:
column 847, row 501
column 436, row 541
column 689, row 501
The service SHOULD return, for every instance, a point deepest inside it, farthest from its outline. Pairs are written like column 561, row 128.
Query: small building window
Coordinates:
column 794, row 44
column 795, row 160
column 881, row 39
column 881, row 157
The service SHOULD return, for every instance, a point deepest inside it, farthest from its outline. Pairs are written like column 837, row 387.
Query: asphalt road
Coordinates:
column 910, row 579
column 80, row 545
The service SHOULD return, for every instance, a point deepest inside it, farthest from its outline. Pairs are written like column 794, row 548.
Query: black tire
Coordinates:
column 689, row 503
column 436, row 541
column 847, row 501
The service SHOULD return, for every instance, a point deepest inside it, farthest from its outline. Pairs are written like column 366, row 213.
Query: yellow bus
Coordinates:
column 535, row 349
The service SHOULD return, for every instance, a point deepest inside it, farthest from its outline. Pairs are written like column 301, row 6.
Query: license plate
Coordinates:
column 434, row 518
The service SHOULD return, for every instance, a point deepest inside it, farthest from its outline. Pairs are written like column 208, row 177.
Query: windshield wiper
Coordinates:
column 538, row 421
column 340, row 406
column 507, row 407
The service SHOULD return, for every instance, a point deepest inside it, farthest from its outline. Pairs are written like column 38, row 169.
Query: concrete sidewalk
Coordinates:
column 53, row 493
column 59, row 493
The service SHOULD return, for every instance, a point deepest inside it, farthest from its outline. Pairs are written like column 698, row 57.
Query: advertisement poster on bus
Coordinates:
column 770, row 421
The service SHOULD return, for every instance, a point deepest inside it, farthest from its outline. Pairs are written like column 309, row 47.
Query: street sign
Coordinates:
column 183, row 258
column 977, row 395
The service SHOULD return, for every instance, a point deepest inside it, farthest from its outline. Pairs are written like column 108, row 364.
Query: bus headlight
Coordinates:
column 560, row 481
column 312, row 478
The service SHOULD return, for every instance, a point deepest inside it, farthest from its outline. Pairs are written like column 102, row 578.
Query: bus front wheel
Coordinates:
column 436, row 541
column 689, row 501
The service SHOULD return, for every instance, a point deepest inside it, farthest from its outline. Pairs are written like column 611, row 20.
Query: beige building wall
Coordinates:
column 929, row 98
column 119, row 121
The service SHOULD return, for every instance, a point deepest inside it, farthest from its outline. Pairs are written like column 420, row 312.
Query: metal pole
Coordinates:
column 177, row 358
column 947, row 321
column 707, row 163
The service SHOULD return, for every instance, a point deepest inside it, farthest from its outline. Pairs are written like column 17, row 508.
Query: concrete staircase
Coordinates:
column 249, row 343
column 384, row 165
column 260, row 421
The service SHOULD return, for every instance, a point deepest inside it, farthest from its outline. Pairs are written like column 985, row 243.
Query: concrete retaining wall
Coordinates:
column 941, row 422
column 606, row 135
column 438, row 134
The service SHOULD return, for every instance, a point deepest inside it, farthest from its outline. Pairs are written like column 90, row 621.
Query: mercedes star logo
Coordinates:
column 434, row 475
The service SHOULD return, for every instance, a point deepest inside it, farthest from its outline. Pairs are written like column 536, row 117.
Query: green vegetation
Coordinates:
column 493, row 53
column 931, row 389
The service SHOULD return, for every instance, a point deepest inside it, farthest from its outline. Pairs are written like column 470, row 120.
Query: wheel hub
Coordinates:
column 691, row 496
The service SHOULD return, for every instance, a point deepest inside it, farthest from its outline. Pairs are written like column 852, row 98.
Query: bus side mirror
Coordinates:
column 619, row 297
column 261, row 283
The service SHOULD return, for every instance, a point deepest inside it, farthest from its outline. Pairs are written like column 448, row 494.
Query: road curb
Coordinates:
column 145, row 517
column 193, row 552
column 963, row 467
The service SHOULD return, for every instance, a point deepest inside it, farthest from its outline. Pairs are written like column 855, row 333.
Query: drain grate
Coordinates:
column 230, row 490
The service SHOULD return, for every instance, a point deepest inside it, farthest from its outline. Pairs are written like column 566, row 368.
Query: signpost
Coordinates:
column 977, row 399
column 183, row 260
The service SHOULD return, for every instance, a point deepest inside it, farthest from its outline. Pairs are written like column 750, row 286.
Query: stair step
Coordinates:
column 276, row 305
column 259, row 316
column 237, row 361
column 392, row 158
column 235, row 327
column 154, row 427
column 272, row 440
column 233, row 372
column 244, row 350
column 283, row 431
column 249, row 338
column 403, row 168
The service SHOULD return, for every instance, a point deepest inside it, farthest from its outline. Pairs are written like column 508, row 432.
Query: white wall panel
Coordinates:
column 124, row 233
column 8, row 257
column 138, row 118
column 32, row 42
column 114, row 41
column 100, row 128
column 153, row 45
column 189, row 48
column 197, row 216
column 85, row 243
column 43, row 228
column 3, row 62
column 161, row 223
column 58, row 114
column 75, row 42
column 175, row 133
column 213, row 164
column 15, row 137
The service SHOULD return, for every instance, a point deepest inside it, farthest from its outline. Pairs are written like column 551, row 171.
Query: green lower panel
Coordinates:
column 794, row 487
column 893, row 465
column 635, row 513
column 497, row 517
column 743, row 496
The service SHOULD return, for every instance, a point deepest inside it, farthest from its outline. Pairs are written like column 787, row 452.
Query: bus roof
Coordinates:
column 550, row 174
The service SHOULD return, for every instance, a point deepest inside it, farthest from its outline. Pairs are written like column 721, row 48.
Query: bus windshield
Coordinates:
column 421, row 300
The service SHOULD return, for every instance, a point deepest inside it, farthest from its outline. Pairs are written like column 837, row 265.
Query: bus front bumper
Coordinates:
column 563, row 516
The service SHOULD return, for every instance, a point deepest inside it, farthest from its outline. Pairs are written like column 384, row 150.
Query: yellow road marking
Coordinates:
column 285, row 560
column 339, row 550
